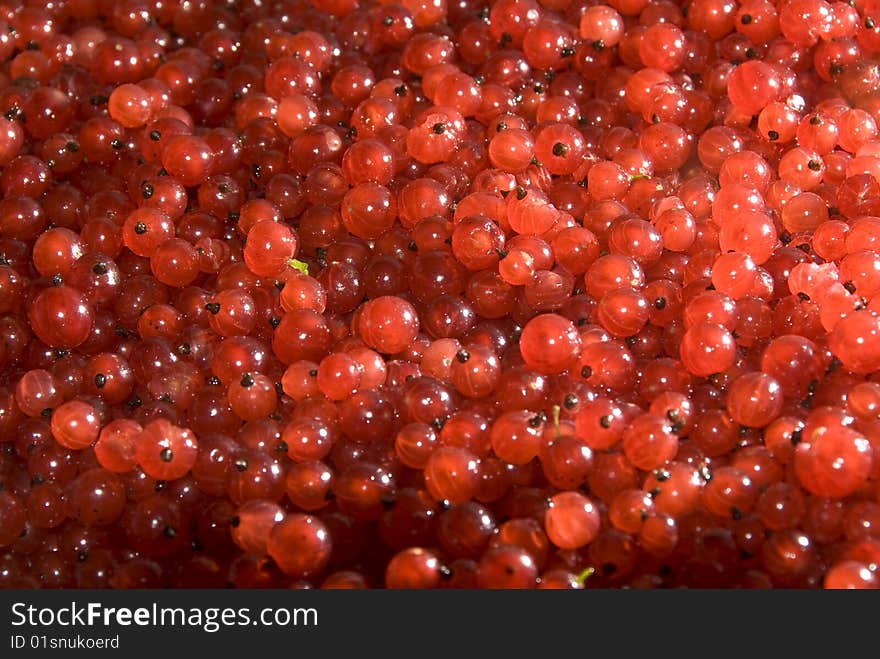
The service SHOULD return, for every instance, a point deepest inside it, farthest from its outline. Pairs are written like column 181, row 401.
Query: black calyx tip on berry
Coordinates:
column 445, row 572
column 849, row 286
column 240, row 464
column 247, row 380
column 57, row 280
column 116, row 143
column 586, row 372
column 438, row 423
column 166, row 455
column 140, row 228
column 462, row 355
column 388, row 21
column 313, row 373
column 870, row 23
column 439, row 128
column 72, row 147
column 803, row 297
column 570, row 401
column 235, row 521
column 147, row 190
column 213, row 308
column 400, row 90
column 815, row 120
column 520, row 192
column 169, row 532
column 155, row 135
column 536, row 421
column 46, row 413
column 606, row 421
column 785, row 237
column 772, row 135
column 662, row 475
column 559, row 150
column 274, row 322
column 660, row 303
column 598, row 45
column 568, row 51
column 814, row 165
column 745, row 19
column 797, row 436
column 100, row 268
column 100, row 380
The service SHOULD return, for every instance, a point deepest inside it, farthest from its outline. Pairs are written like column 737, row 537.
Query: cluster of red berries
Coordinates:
column 439, row 293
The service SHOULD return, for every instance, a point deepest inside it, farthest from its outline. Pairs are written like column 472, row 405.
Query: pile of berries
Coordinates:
column 439, row 293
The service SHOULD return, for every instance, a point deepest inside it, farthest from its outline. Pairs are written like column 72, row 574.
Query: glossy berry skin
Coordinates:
column 14, row 518
column 269, row 247
column 96, row 498
column 115, row 449
column 420, row 294
column 61, row 317
column 413, row 568
column 188, row 158
column 549, row 344
column 571, row 521
column 649, row 441
column 252, row 524
column 516, row 436
column 452, row 474
column 754, row 400
column 388, row 324
column 300, row 545
column 834, row 463
column 75, row 425
column 707, row 348
column 853, row 341
column 165, row 451
column 507, row 567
